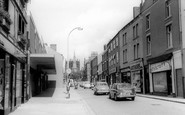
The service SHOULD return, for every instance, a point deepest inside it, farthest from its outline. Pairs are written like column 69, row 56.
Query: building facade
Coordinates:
column 162, row 42
column 105, row 72
column 113, row 57
column 131, row 53
column 13, row 58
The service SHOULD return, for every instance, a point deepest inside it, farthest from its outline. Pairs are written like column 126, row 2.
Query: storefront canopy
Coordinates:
column 45, row 62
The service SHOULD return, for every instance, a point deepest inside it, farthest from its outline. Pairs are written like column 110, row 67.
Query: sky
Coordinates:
column 101, row 20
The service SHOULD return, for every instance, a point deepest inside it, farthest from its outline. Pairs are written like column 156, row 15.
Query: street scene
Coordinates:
column 100, row 57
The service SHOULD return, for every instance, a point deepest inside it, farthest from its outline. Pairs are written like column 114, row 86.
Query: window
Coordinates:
column 125, row 55
column 6, row 5
column 169, row 35
column 135, row 31
column 148, row 40
column 124, row 39
column 136, row 51
column 117, row 57
column 168, row 9
column 114, row 44
column 21, row 26
column 116, row 41
column 148, row 22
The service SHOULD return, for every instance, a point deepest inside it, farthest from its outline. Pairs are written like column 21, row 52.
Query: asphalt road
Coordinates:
column 102, row 105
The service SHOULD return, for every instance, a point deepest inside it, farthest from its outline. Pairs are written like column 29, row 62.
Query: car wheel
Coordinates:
column 95, row 93
column 115, row 98
column 109, row 96
column 133, row 98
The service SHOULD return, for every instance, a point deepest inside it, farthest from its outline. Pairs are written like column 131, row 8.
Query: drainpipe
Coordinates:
column 182, row 35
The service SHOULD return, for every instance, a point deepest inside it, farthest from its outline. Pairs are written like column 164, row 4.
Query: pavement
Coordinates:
column 163, row 98
column 55, row 101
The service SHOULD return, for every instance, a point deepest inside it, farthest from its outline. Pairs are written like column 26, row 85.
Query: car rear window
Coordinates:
column 125, row 85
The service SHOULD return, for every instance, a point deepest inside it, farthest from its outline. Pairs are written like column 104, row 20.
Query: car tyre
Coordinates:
column 109, row 96
column 115, row 98
column 133, row 98
column 95, row 93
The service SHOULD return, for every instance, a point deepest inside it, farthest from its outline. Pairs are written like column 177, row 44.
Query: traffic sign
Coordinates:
column 68, row 71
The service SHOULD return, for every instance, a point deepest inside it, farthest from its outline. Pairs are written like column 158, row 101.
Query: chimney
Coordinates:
column 136, row 11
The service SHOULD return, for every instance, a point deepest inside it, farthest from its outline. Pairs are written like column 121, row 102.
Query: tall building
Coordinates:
column 74, row 64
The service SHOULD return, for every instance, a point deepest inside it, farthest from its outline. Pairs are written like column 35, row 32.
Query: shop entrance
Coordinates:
column 12, row 88
column 2, row 76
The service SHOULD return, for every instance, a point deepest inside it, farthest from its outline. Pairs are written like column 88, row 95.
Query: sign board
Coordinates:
column 162, row 66
column 68, row 71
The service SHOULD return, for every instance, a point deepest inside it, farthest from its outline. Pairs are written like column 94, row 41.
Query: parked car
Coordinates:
column 101, row 88
column 92, row 86
column 122, row 90
column 86, row 85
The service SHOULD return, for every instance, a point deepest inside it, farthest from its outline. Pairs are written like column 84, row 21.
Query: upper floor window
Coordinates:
column 125, row 55
column 147, row 21
column 114, row 44
column 116, row 41
column 6, row 5
column 136, row 51
column 124, row 38
column 168, row 8
column 169, row 35
column 117, row 57
column 148, row 47
column 21, row 26
column 135, row 31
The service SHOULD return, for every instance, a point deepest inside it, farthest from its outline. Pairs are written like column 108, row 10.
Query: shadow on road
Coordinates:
column 48, row 92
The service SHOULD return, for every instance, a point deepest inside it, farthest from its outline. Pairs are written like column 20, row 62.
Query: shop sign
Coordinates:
column 113, row 70
column 1, row 43
column 136, row 66
column 163, row 66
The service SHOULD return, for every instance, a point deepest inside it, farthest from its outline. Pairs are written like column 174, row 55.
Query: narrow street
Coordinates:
column 102, row 105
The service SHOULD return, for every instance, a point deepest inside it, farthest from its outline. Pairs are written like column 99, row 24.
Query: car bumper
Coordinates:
column 125, row 95
column 102, row 91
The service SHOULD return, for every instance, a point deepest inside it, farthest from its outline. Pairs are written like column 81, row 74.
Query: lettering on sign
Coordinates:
column 137, row 66
column 160, row 66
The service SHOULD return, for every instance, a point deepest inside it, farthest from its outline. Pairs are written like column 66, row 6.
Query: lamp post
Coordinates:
column 68, row 70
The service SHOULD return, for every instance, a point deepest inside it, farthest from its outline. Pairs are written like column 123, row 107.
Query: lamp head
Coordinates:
column 79, row 28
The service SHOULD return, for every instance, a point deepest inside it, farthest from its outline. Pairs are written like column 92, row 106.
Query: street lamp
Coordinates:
column 76, row 28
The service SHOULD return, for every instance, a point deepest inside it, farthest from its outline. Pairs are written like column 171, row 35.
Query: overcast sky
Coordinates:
column 100, row 20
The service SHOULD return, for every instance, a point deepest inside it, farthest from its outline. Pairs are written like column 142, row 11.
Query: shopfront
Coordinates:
column 137, row 77
column 162, row 78
column 12, row 75
column 125, row 75
column 112, row 75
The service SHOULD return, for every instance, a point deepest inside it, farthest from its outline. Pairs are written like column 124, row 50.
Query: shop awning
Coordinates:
column 45, row 62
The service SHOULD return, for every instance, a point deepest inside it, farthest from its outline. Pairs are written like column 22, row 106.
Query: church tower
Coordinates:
column 74, row 63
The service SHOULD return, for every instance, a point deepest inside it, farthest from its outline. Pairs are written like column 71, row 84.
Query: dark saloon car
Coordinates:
column 122, row 90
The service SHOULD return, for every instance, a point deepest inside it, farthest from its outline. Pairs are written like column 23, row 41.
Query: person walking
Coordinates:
column 68, row 89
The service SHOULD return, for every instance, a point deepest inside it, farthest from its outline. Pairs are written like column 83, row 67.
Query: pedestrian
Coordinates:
column 68, row 88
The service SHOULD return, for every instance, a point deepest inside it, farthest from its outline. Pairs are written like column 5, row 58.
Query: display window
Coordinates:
column 1, row 83
column 136, row 80
column 160, row 82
